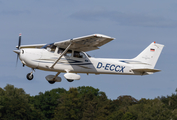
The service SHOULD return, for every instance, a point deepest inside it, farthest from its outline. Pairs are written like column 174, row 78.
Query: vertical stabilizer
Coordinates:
column 150, row 55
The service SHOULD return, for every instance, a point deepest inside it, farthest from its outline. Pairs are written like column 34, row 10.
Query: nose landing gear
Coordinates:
column 30, row 76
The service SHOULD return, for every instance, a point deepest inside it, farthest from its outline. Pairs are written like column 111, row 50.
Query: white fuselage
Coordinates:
column 43, row 59
column 69, row 57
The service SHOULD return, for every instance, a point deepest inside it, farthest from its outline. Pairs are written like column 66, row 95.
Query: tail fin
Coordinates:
column 150, row 55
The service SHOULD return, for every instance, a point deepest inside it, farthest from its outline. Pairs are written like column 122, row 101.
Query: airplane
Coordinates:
column 70, row 57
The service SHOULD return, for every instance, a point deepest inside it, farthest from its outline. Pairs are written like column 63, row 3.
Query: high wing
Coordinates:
column 85, row 43
column 31, row 46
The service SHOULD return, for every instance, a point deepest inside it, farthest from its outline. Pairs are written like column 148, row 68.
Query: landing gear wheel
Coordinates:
column 69, row 80
column 51, row 82
column 29, row 76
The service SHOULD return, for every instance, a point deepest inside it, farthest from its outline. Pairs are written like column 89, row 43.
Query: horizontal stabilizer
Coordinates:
column 146, row 70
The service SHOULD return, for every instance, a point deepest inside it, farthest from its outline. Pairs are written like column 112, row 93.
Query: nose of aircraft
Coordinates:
column 18, row 55
column 17, row 51
column 30, row 57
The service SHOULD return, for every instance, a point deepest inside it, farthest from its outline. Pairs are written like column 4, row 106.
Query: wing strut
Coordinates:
column 62, row 54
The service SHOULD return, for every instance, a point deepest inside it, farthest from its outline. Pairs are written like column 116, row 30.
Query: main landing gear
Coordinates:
column 53, row 78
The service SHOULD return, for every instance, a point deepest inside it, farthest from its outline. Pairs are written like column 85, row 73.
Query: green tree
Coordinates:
column 47, row 102
column 14, row 104
column 97, row 108
column 69, row 107
column 85, row 103
column 116, row 115
column 120, row 106
column 150, row 110
column 128, row 116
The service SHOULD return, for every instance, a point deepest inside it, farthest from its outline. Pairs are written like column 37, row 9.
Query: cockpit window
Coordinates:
column 79, row 54
column 60, row 50
column 50, row 47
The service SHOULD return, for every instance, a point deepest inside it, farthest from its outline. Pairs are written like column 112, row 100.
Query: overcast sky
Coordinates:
column 134, row 24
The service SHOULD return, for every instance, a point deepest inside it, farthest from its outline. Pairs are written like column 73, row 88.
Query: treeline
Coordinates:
column 82, row 103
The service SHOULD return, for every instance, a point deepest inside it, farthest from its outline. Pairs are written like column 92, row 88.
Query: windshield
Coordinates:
column 88, row 55
column 45, row 46
column 50, row 47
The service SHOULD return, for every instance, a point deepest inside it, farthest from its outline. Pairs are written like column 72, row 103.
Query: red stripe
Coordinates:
column 152, row 49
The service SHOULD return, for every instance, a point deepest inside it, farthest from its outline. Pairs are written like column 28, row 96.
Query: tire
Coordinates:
column 51, row 82
column 29, row 76
column 70, row 80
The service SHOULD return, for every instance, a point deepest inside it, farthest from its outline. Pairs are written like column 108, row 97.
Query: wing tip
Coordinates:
column 101, row 35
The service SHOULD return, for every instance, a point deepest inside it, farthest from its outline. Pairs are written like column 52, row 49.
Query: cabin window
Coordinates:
column 79, row 54
column 69, row 53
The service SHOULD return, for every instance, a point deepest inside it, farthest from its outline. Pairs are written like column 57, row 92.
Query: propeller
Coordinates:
column 19, row 41
column 18, row 48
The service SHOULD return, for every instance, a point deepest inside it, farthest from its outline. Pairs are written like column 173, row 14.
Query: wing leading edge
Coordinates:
column 31, row 46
